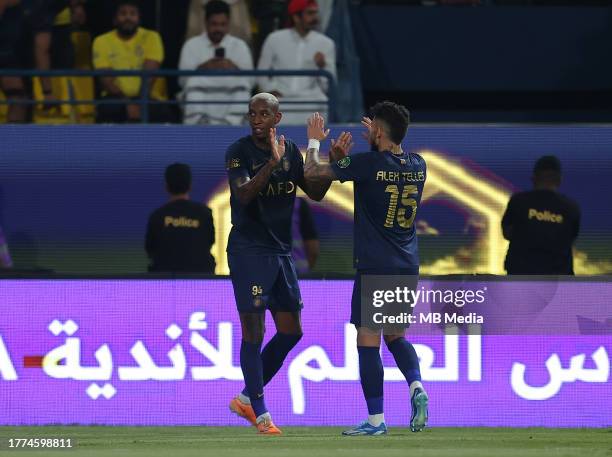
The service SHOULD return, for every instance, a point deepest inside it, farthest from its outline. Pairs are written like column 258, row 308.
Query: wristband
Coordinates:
column 314, row 144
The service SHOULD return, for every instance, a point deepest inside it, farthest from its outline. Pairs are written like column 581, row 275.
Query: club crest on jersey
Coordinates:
column 344, row 162
column 233, row 163
column 257, row 292
column 286, row 164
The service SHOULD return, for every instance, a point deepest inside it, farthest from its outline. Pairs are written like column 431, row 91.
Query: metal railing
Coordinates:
column 144, row 101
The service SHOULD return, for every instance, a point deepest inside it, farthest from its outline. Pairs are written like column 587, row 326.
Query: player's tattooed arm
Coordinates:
column 247, row 189
column 318, row 176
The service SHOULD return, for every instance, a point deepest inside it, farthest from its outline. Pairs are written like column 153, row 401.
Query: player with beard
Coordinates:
column 388, row 185
column 264, row 173
column 128, row 47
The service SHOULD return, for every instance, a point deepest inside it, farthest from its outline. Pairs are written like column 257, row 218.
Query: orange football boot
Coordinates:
column 243, row 410
column 267, row 427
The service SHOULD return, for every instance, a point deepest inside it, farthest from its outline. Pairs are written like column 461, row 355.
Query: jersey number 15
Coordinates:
column 406, row 202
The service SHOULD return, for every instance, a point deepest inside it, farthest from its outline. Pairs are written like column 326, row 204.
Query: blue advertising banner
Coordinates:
column 76, row 198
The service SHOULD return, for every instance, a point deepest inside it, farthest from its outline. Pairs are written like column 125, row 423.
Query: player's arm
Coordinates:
column 247, row 189
column 318, row 175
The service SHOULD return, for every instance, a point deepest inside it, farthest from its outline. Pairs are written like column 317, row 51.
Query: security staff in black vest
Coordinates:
column 541, row 225
column 180, row 233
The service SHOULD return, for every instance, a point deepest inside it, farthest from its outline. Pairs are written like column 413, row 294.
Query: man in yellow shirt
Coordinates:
column 128, row 47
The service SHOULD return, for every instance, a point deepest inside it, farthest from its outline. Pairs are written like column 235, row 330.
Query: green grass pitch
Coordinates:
column 315, row 442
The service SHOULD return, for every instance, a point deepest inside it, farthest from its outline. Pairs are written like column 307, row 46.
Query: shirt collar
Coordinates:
column 300, row 37
column 210, row 43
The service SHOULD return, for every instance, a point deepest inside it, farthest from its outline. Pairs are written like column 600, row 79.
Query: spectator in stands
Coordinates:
column 216, row 50
column 180, row 233
column 299, row 48
column 306, row 246
column 541, row 225
column 5, row 257
column 54, row 50
column 271, row 15
column 25, row 42
column 240, row 19
column 129, row 47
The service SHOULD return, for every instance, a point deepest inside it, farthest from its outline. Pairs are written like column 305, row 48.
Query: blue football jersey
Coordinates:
column 263, row 227
column 387, row 193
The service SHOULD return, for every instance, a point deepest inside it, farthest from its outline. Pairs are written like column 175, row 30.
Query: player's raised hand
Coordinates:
column 316, row 128
column 341, row 147
column 367, row 123
column 278, row 147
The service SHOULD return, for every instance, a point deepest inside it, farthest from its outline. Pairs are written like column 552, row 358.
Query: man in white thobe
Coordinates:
column 216, row 50
column 300, row 47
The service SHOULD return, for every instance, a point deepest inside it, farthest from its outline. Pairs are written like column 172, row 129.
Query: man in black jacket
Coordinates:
column 181, row 232
column 541, row 225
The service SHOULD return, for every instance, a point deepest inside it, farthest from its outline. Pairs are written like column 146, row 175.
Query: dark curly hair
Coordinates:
column 395, row 117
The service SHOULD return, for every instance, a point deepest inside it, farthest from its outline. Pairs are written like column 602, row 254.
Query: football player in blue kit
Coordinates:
column 264, row 173
column 388, row 185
